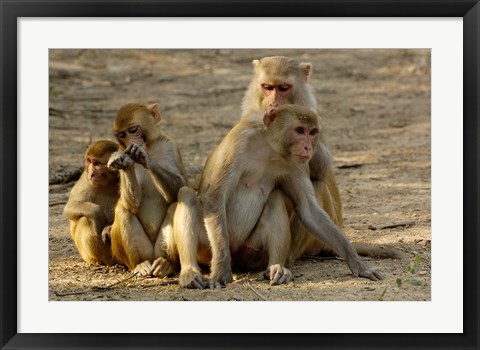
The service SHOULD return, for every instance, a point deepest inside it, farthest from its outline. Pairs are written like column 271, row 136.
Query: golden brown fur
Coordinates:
column 90, row 207
column 151, row 174
column 249, row 185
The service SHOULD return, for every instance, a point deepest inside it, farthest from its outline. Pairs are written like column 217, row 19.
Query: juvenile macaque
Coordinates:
column 279, row 80
column 257, row 174
column 151, row 174
column 90, row 206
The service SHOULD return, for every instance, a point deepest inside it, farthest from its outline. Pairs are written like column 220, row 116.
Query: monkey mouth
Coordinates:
column 97, row 181
column 303, row 159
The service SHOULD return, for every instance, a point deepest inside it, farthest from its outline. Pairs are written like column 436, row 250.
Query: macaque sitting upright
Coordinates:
column 90, row 207
column 250, row 185
column 151, row 174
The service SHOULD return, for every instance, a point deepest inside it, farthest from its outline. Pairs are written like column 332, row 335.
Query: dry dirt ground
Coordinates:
column 375, row 108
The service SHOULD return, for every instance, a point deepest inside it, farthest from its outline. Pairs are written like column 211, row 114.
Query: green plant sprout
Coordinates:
column 407, row 278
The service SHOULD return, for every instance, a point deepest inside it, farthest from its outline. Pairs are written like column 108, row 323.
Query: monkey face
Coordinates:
column 132, row 135
column 292, row 131
column 97, row 172
column 304, row 140
column 275, row 95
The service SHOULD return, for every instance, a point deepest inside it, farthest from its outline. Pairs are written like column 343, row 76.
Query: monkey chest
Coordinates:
column 245, row 206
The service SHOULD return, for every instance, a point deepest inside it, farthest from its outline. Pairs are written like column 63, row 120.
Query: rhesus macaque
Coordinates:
column 241, row 209
column 279, row 80
column 151, row 173
column 91, row 204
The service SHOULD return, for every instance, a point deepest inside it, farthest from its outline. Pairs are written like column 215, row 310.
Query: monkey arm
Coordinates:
column 317, row 221
column 167, row 181
column 130, row 191
column 74, row 210
column 320, row 163
column 220, row 176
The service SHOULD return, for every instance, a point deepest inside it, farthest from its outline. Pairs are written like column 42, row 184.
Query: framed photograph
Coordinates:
column 397, row 86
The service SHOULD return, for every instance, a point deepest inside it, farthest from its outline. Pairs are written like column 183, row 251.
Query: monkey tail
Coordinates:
column 377, row 251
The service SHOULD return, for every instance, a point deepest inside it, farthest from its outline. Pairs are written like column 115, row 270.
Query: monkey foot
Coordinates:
column 144, row 268
column 161, row 267
column 278, row 274
column 220, row 280
column 191, row 279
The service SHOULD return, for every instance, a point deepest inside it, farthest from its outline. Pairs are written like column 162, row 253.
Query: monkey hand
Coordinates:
column 138, row 154
column 119, row 160
column 220, row 277
column 161, row 267
column 278, row 274
column 359, row 269
column 106, row 234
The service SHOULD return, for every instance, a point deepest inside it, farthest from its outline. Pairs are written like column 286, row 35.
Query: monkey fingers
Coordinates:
column 138, row 154
column 278, row 274
column 161, row 267
column 106, row 234
column 191, row 279
column 359, row 269
column 374, row 275
column 119, row 160
column 220, row 280
column 144, row 268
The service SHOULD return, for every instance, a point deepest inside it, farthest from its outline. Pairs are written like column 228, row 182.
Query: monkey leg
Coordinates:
column 131, row 245
column 91, row 247
column 166, row 259
column 272, row 233
column 188, row 229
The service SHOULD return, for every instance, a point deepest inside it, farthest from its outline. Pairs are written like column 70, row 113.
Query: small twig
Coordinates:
column 351, row 165
column 253, row 289
column 391, row 225
column 60, row 294
column 52, row 204
column 168, row 282
column 94, row 289
column 114, row 284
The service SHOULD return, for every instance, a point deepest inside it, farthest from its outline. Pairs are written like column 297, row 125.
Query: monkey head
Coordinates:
column 277, row 79
column 96, row 158
column 136, row 124
column 292, row 131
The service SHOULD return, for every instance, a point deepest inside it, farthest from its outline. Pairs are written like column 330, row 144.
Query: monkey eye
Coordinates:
column 313, row 131
column 121, row 135
column 268, row 87
column 284, row 88
column 96, row 163
column 300, row 130
column 133, row 129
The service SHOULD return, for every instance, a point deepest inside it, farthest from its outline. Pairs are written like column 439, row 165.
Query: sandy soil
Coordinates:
column 375, row 106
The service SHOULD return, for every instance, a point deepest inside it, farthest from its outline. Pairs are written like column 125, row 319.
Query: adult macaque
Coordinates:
column 90, row 206
column 279, row 80
column 241, row 198
column 151, row 173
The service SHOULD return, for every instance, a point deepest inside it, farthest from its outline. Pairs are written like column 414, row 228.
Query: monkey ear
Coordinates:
column 306, row 69
column 155, row 112
column 269, row 117
column 255, row 63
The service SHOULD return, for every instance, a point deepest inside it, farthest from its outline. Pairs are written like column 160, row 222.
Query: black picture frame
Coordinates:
column 12, row 10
